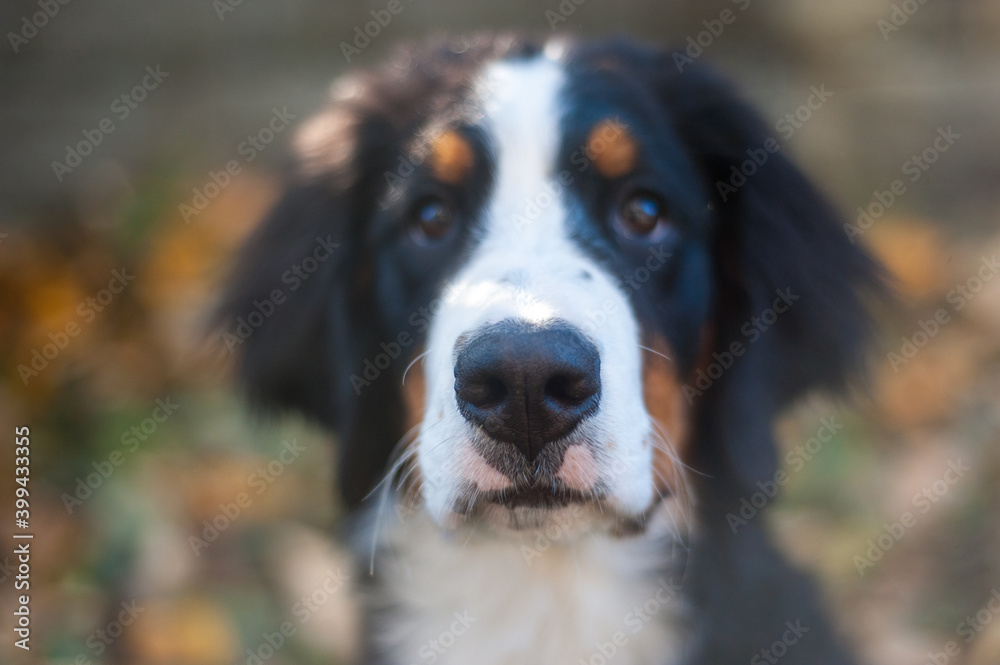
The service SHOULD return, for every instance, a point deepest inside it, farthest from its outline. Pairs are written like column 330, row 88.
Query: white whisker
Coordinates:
column 646, row 348
column 412, row 363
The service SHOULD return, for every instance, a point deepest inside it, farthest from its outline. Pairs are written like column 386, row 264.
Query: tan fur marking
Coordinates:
column 414, row 399
column 451, row 157
column 414, row 393
column 612, row 148
column 664, row 400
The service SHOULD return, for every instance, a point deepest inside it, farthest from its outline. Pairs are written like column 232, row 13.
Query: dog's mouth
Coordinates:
column 567, row 486
column 559, row 512
column 526, row 507
column 539, row 496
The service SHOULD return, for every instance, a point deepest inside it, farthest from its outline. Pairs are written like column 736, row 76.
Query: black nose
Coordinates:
column 527, row 385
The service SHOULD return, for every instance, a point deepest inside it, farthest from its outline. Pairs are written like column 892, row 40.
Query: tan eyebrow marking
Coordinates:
column 612, row 148
column 451, row 157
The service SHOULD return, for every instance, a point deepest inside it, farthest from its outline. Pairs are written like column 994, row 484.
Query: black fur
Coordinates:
column 739, row 248
column 304, row 357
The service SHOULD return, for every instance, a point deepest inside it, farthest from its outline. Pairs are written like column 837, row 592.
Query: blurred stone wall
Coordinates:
column 230, row 62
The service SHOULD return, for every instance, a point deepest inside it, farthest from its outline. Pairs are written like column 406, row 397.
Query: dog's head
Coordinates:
column 550, row 277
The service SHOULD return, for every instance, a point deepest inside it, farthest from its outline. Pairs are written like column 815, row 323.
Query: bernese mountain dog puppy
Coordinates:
column 563, row 291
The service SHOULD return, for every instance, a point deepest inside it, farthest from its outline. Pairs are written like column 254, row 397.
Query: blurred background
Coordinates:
column 174, row 527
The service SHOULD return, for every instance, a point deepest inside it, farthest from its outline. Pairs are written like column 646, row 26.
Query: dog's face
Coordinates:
column 533, row 392
column 537, row 254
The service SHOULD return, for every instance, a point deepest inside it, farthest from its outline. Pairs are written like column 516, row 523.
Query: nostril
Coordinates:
column 570, row 390
column 483, row 393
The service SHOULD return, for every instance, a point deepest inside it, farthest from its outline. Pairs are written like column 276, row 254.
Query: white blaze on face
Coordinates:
column 527, row 267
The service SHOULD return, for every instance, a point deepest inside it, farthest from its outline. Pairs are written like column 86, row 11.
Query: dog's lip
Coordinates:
column 536, row 496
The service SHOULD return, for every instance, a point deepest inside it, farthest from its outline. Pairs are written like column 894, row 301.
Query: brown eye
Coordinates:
column 644, row 216
column 431, row 220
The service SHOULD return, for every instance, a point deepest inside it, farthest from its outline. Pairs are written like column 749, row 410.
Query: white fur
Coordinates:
column 561, row 589
column 527, row 267
column 533, row 600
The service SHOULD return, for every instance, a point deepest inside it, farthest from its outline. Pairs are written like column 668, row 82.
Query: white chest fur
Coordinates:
column 492, row 601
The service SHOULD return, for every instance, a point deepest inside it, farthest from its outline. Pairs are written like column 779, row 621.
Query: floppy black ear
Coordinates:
column 278, row 323
column 298, row 310
column 779, row 246
column 303, row 355
column 299, row 316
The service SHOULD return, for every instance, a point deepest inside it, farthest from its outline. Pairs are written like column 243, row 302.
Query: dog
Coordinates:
column 550, row 298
